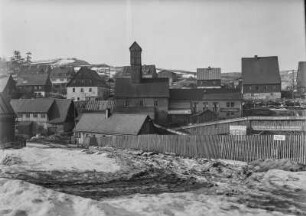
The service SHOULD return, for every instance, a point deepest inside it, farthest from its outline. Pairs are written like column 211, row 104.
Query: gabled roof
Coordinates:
column 5, row 106
column 4, row 80
column 34, row 69
column 135, row 47
column 33, row 79
column 260, row 70
column 125, row 124
column 62, row 107
column 60, row 72
column 205, row 94
column 87, row 77
column 157, row 87
column 94, row 106
column 38, row 105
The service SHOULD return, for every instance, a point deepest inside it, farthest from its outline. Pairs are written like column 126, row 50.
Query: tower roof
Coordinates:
column 135, row 47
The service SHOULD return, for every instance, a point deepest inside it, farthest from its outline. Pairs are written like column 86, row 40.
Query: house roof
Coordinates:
column 93, row 105
column 147, row 70
column 34, row 69
column 62, row 106
column 125, row 124
column 38, row 105
column 87, row 77
column 4, row 81
column 5, row 106
column 205, row 94
column 260, row 70
column 60, row 72
column 32, row 79
column 157, row 87
column 301, row 75
column 135, row 47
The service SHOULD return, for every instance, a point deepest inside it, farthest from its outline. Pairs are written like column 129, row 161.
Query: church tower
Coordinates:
column 136, row 68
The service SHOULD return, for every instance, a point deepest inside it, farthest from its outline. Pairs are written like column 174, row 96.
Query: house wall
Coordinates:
column 79, row 95
column 38, row 90
column 262, row 92
column 39, row 120
column 209, row 83
column 224, row 109
column 7, row 128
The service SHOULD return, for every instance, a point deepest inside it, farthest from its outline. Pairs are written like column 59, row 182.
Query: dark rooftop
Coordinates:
column 260, row 70
column 87, row 77
column 157, row 87
column 32, row 79
column 5, row 106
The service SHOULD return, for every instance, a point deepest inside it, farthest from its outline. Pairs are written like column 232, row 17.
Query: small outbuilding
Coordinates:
column 7, row 121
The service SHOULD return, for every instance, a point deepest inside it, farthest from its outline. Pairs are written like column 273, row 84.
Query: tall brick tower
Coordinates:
column 135, row 55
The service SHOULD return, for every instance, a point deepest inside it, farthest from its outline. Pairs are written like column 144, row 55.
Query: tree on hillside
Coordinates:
column 28, row 57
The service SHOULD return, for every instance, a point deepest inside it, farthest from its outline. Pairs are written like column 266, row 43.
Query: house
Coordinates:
column 168, row 74
column 34, row 69
column 46, row 115
column 137, row 94
column 8, row 86
column 301, row 79
column 209, row 77
column 185, row 103
column 7, row 121
column 34, row 85
column 261, row 78
column 103, row 124
column 87, row 84
column 59, row 77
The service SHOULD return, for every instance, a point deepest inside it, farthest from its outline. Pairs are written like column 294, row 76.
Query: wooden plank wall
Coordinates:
column 242, row 148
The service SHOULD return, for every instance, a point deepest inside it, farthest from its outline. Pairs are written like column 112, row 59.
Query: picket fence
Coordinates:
column 243, row 148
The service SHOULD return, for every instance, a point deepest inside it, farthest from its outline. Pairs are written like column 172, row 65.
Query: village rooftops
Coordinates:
column 124, row 124
column 87, row 77
column 150, row 87
column 260, row 70
column 205, row 94
column 33, row 80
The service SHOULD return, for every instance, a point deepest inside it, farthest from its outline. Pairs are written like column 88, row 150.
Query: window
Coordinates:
column 82, row 90
column 216, row 106
column 155, row 103
column 34, row 115
column 28, row 115
column 90, row 89
column 73, row 89
column 78, row 99
column 256, row 88
column 232, row 104
column 141, row 103
column 126, row 103
column 19, row 115
column 228, row 104
column 43, row 115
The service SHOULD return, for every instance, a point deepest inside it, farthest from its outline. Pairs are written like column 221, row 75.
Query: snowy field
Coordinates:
column 39, row 180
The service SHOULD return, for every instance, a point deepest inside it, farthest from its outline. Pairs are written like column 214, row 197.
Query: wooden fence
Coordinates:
column 242, row 148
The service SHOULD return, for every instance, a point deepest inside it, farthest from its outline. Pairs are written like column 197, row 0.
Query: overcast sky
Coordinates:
column 173, row 34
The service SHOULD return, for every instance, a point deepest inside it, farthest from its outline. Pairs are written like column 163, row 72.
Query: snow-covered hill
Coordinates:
column 74, row 62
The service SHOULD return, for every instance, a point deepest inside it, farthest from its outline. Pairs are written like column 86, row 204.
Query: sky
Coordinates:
column 173, row 34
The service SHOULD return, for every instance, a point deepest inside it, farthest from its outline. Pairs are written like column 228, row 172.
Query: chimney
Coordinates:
column 256, row 56
column 107, row 113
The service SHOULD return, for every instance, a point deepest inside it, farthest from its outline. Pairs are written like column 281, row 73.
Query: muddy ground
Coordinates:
column 150, row 173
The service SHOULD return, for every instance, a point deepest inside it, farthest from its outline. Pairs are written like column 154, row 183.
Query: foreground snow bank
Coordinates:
column 25, row 199
column 40, row 158
column 22, row 198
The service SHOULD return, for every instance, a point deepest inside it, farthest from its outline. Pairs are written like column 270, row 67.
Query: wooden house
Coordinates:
column 173, row 77
column 60, row 76
column 86, row 85
column 34, row 85
column 137, row 94
column 45, row 115
column 261, row 78
column 7, row 121
column 103, row 124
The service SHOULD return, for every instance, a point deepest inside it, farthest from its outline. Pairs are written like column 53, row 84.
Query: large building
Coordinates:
column 301, row 79
column 261, row 78
column 137, row 94
column 209, row 77
column 86, row 85
column 185, row 104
